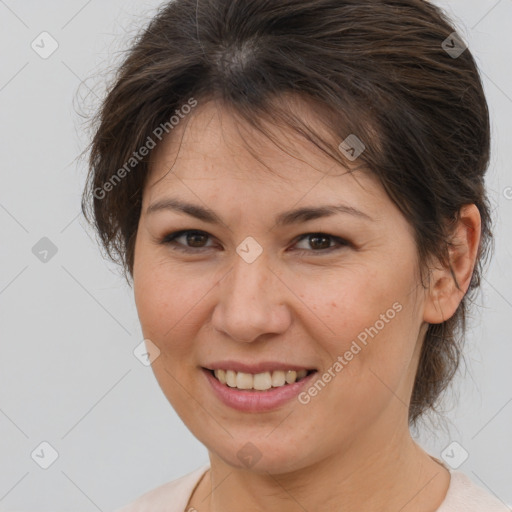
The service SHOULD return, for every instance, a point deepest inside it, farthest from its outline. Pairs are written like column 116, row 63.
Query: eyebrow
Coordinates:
column 283, row 219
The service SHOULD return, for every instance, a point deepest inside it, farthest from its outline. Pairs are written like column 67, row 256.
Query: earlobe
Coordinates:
column 448, row 286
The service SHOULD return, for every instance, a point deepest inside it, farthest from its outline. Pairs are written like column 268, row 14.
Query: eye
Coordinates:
column 320, row 242
column 194, row 237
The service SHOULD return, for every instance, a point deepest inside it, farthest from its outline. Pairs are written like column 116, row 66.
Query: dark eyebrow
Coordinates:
column 283, row 219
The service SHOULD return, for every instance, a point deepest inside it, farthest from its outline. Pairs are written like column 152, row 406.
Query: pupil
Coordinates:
column 192, row 236
column 318, row 237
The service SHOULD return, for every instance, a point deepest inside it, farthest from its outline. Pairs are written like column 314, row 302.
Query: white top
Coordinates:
column 462, row 496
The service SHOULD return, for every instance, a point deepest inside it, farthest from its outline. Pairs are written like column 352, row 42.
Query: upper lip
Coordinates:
column 262, row 367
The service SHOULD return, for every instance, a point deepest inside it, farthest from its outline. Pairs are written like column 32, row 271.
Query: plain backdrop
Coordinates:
column 68, row 323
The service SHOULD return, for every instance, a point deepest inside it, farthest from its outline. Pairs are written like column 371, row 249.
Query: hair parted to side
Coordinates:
column 373, row 68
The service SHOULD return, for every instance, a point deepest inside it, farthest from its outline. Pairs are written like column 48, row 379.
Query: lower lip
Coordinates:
column 256, row 401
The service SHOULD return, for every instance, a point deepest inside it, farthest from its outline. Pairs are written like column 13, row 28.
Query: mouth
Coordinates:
column 257, row 388
column 263, row 381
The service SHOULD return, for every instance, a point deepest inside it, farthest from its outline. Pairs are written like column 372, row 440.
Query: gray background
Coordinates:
column 69, row 325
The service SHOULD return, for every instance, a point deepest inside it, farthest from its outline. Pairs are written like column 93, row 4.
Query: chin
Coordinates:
column 263, row 458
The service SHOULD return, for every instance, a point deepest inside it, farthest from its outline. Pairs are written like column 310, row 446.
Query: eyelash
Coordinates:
column 170, row 240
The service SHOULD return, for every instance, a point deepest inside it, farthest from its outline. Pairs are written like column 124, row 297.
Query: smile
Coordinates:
column 259, row 381
column 262, row 391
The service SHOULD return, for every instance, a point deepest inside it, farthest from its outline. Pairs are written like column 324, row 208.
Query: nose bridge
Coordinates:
column 251, row 280
column 250, row 301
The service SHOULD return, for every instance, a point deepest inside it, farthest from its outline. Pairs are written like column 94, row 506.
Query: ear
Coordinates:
column 443, row 295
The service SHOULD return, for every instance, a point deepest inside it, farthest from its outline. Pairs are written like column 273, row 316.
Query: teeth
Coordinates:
column 291, row 376
column 221, row 375
column 260, row 381
column 244, row 380
column 278, row 379
column 231, row 379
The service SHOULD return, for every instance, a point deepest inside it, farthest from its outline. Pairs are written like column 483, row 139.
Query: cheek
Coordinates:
column 368, row 316
column 167, row 302
column 348, row 302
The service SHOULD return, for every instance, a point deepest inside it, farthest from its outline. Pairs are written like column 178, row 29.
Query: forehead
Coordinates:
column 213, row 149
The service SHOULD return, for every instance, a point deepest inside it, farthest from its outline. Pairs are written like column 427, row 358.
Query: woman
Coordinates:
column 296, row 190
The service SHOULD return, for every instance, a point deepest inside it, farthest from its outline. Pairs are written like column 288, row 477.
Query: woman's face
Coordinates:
column 258, row 292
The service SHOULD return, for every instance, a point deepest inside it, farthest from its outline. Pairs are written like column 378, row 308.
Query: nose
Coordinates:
column 251, row 302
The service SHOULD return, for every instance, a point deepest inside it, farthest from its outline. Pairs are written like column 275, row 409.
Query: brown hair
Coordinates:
column 378, row 69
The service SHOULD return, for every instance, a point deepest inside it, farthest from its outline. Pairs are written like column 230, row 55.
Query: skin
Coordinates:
column 350, row 447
